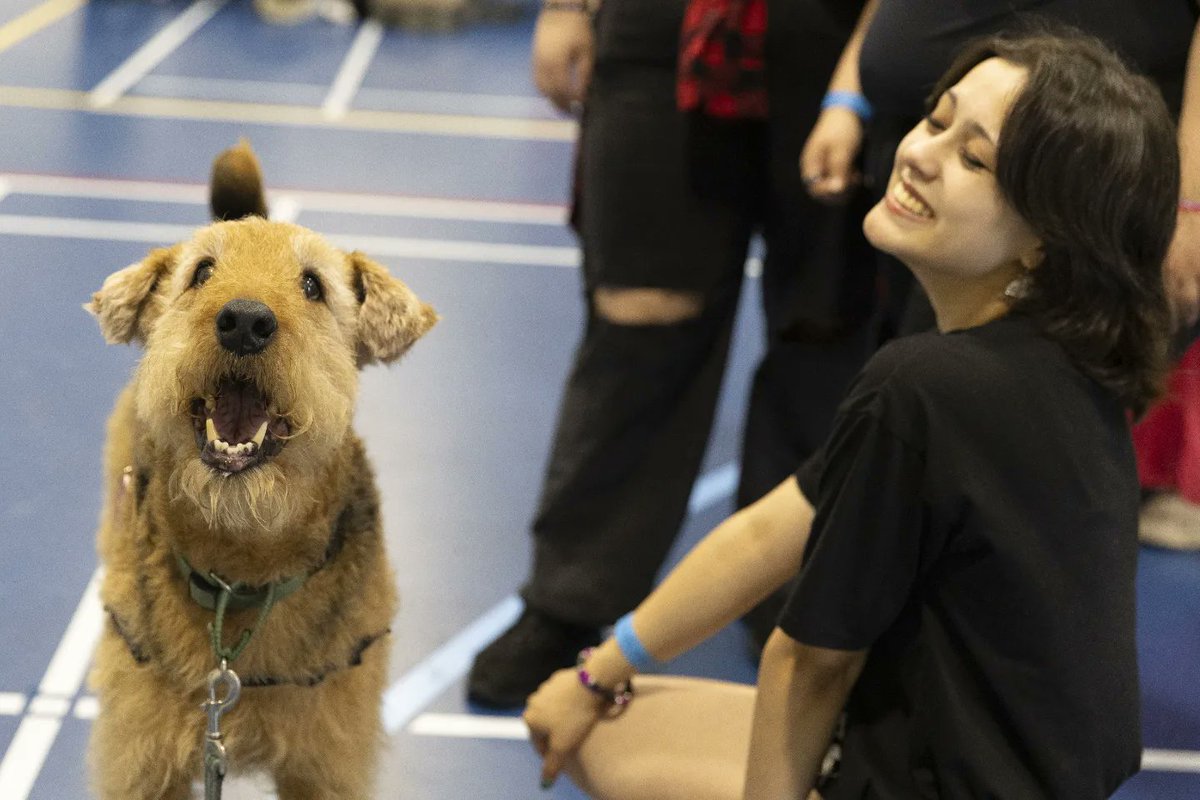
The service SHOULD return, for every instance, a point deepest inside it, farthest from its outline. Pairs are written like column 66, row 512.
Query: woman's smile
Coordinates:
column 904, row 201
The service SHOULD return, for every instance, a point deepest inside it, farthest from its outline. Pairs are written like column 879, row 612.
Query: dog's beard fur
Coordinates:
column 258, row 500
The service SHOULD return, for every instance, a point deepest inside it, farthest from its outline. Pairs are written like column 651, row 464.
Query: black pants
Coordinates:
column 666, row 200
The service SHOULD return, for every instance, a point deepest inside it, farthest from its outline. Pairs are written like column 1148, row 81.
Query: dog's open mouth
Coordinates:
column 236, row 428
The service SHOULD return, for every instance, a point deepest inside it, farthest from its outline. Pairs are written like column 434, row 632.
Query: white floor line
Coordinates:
column 153, row 52
column 500, row 105
column 1171, row 761
column 341, row 202
column 40, row 726
column 503, row 105
column 482, row 726
column 284, row 207
column 12, row 704
column 434, row 208
column 107, row 189
column 423, row 684
column 99, row 230
column 497, row 105
column 69, row 664
column 378, row 246
column 35, row 20
column 156, row 83
column 26, row 754
column 713, row 487
column 86, row 707
column 5, row 188
column 353, row 69
column 470, row 126
column 469, row 252
column 469, row 726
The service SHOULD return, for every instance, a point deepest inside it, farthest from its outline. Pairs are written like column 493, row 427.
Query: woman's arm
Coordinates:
column 1182, row 270
column 742, row 560
column 801, row 691
column 828, row 156
column 563, row 51
column 738, row 564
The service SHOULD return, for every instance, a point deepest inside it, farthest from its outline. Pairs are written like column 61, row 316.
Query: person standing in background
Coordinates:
column 681, row 162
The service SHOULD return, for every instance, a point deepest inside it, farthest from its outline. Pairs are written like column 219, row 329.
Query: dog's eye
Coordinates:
column 204, row 271
column 311, row 286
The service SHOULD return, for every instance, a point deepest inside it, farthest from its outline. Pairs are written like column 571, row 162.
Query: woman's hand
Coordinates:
column 562, row 56
column 560, row 715
column 827, row 161
column 1181, row 272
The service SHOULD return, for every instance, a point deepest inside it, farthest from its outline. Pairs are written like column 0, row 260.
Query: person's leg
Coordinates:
column 818, row 284
column 663, row 271
column 680, row 739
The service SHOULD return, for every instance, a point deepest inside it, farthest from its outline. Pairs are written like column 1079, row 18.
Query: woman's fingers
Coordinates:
column 827, row 160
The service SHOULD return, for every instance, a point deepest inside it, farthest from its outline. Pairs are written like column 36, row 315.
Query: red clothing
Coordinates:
column 722, row 58
column 1167, row 440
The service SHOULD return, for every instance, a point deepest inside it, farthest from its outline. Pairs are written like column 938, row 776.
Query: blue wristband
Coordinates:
column 631, row 646
column 851, row 100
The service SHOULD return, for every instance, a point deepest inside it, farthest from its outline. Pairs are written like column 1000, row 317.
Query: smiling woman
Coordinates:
column 968, row 533
column 943, row 214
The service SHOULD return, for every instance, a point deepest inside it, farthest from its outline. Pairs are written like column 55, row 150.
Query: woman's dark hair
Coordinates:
column 1088, row 157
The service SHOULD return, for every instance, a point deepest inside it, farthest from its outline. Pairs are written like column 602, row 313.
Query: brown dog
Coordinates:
column 231, row 458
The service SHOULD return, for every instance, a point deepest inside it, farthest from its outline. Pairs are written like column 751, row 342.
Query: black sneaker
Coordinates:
column 509, row 669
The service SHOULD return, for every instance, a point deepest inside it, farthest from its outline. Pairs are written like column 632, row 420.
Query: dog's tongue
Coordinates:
column 240, row 410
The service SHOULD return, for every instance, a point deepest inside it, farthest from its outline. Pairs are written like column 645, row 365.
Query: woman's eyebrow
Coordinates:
column 970, row 124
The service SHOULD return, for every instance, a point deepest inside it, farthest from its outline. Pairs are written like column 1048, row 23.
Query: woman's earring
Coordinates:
column 1018, row 288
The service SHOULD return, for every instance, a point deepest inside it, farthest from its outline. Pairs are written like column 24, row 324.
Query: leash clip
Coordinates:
column 216, row 763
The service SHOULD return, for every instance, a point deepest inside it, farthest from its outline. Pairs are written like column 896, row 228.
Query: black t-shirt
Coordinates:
column 976, row 528
column 911, row 42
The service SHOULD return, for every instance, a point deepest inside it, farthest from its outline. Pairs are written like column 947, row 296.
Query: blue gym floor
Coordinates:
column 437, row 156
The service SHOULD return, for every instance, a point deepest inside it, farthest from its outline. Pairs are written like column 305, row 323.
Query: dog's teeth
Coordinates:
column 221, row 446
column 209, row 404
column 262, row 434
column 211, row 430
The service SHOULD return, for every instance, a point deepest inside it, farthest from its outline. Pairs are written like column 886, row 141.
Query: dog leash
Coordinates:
column 216, row 762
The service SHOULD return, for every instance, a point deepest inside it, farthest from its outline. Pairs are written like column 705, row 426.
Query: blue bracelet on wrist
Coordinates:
column 851, row 100
column 631, row 646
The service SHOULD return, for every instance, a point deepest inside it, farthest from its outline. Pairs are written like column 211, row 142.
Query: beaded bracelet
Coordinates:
column 618, row 697
column 1190, row 206
column 579, row 6
column 851, row 100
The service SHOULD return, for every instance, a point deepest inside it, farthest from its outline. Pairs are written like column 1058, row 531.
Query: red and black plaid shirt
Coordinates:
column 722, row 58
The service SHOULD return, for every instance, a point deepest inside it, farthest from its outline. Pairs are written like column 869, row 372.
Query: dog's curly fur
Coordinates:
column 309, row 505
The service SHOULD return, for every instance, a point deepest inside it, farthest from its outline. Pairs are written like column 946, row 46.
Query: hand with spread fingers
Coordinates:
column 560, row 715
column 827, row 161
column 562, row 54
column 1181, row 272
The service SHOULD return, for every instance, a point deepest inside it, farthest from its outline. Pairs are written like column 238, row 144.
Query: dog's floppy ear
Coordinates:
column 129, row 302
column 390, row 317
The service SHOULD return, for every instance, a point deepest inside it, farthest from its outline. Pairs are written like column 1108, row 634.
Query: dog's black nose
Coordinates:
column 245, row 327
